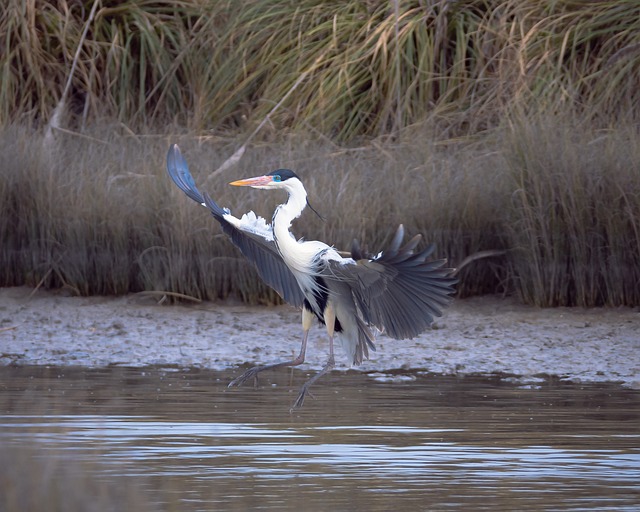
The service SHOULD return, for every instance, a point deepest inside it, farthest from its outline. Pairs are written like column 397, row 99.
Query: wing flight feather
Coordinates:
column 398, row 290
column 256, row 245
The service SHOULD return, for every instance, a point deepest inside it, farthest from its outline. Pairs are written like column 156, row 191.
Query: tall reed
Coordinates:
column 371, row 70
column 575, row 214
column 484, row 124
column 104, row 218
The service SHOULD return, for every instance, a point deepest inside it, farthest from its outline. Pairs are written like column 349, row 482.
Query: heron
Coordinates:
column 397, row 291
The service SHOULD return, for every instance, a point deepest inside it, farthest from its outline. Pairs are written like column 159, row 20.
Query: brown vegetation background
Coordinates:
column 484, row 125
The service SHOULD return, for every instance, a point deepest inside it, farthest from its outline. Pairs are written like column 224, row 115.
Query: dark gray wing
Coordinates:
column 255, row 245
column 398, row 291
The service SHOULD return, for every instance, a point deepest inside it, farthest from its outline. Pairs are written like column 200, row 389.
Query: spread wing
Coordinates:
column 398, row 291
column 251, row 234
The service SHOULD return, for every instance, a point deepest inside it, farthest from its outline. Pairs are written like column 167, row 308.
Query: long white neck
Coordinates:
column 289, row 211
column 297, row 255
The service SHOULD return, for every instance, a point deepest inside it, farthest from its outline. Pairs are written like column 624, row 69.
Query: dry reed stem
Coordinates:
column 58, row 111
column 564, row 208
column 237, row 155
column 220, row 65
column 164, row 294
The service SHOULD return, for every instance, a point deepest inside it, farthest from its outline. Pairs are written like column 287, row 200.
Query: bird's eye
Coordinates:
column 277, row 178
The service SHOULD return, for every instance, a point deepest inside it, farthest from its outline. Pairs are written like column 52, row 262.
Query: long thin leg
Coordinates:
column 330, row 321
column 252, row 373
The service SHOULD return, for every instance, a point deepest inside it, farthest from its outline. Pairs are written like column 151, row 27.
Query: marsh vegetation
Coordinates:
column 485, row 125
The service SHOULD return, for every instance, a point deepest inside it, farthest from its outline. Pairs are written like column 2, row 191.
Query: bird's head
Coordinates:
column 284, row 179
column 278, row 179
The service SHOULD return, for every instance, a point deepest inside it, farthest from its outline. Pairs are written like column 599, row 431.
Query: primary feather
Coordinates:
column 399, row 290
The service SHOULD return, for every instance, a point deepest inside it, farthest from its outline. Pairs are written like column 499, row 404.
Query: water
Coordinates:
column 180, row 440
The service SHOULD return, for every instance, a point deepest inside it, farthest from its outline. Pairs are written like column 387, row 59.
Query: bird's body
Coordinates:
column 397, row 291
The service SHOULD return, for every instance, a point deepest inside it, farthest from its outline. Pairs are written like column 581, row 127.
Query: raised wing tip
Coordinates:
column 397, row 238
column 179, row 172
column 173, row 156
column 175, row 147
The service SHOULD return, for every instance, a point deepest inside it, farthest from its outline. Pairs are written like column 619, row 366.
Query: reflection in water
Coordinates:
column 430, row 443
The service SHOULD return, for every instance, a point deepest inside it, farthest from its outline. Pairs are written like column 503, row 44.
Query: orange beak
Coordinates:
column 259, row 181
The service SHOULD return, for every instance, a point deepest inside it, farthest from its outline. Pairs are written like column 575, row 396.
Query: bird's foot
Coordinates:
column 304, row 391
column 251, row 373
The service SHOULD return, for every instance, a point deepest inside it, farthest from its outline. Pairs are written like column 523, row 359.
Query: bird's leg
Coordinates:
column 252, row 373
column 330, row 321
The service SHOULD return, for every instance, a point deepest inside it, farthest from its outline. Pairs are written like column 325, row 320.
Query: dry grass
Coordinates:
column 371, row 69
column 576, row 214
column 103, row 217
column 484, row 124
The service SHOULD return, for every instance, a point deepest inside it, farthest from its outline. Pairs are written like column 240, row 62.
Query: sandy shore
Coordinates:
column 479, row 335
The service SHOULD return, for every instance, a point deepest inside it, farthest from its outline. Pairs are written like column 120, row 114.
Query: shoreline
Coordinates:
column 480, row 335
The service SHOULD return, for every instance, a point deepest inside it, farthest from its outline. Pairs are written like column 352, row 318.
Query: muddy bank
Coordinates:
column 479, row 335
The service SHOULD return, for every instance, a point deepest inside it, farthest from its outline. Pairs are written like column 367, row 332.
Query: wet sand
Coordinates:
column 483, row 335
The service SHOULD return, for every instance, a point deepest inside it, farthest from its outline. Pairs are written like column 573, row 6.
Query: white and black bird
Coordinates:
column 399, row 291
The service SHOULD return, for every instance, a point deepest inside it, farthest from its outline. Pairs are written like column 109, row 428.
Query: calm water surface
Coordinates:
column 186, row 442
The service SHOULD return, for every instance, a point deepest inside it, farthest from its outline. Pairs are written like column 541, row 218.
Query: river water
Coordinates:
column 177, row 439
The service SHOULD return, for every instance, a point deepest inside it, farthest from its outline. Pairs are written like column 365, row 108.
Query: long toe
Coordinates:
column 252, row 373
column 304, row 391
column 300, row 400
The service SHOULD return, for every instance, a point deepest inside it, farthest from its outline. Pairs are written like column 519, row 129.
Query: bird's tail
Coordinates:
column 357, row 340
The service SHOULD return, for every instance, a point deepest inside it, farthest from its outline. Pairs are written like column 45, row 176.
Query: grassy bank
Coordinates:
column 99, row 215
column 368, row 68
column 484, row 124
